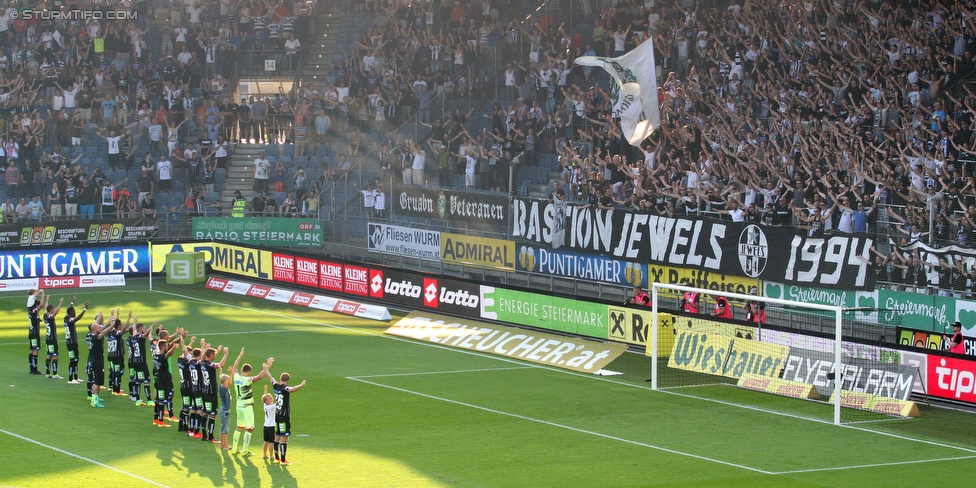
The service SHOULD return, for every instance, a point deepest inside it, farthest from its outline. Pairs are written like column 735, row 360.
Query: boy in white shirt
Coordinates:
column 269, row 423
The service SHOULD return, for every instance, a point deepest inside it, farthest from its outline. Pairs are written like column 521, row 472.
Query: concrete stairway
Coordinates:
column 240, row 174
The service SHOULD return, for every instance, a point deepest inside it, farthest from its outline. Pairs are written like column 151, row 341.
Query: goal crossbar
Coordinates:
column 837, row 311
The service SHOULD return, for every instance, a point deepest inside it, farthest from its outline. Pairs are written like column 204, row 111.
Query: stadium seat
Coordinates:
column 91, row 152
column 288, row 149
column 271, row 150
column 77, row 151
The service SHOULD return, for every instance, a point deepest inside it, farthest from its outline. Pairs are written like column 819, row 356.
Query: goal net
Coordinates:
column 704, row 341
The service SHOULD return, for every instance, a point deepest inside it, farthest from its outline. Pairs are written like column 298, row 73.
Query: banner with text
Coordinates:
column 951, row 378
column 328, row 304
column 935, row 341
column 73, row 262
column 585, row 356
column 76, row 232
column 858, row 375
column 272, row 231
column 483, row 252
column 889, row 307
column 544, row 311
column 580, row 266
column 224, row 258
column 730, row 248
column 723, row 355
column 403, row 241
column 455, row 206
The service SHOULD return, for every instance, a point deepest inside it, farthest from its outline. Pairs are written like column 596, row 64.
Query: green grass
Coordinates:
column 367, row 418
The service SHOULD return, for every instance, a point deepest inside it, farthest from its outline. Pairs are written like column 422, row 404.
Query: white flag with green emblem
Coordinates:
column 635, row 91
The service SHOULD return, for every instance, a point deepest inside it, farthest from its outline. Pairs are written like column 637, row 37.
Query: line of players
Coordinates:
column 203, row 392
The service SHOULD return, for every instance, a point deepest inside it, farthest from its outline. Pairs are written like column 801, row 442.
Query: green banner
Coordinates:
column 544, row 311
column 271, row 231
column 866, row 301
column 914, row 310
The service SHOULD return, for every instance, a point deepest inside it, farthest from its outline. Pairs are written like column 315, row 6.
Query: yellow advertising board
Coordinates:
column 778, row 386
column 477, row 251
column 682, row 322
column 877, row 404
column 577, row 354
column 722, row 355
column 631, row 325
column 224, row 258
column 700, row 278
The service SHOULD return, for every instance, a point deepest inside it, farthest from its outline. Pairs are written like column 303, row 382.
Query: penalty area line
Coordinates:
column 564, row 426
column 83, row 458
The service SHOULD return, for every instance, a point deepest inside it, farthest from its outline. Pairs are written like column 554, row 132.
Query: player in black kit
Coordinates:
column 138, row 365
column 209, row 381
column 96, row 356
column 283, row 414
column 115, row 343
column 34, row 298
column 196, row 393
column 186, row 386
column 164, row 348
column 51, row 338
column 71, row 340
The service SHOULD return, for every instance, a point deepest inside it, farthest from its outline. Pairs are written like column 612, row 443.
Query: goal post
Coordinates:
column 705, row 324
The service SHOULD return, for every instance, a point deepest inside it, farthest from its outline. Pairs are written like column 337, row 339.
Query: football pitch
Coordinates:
column 386, row 411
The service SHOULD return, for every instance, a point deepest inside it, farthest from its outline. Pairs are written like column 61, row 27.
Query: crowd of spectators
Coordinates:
column 828, row 116
column 101, row 104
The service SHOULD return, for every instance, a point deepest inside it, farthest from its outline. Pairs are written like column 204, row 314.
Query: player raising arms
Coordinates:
column 165, row 347
column 51, row 338
column 71, row 340
column 245, row 401
column 96, row 356
column 34, row 299
column 186, row 384
column 196, row 392
column 138, row 364
column 115, row 343
column 209, row 385
column 283, row 414
column 171, row 343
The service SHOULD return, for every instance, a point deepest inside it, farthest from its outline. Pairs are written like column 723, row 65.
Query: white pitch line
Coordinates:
column 437, row 372
column 88, row 460
column 564, row 371
column 567, row 427
column 876, row 465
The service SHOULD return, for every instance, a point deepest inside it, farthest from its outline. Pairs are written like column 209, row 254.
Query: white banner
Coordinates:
column 57, row 282
column 404, row 241
column 635, row 95
column 298, row 298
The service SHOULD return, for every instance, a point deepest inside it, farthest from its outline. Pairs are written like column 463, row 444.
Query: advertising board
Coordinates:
column 271, row 231
column 57, row 262
column 583, row 355
column 403, row 241
column 75, row 232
